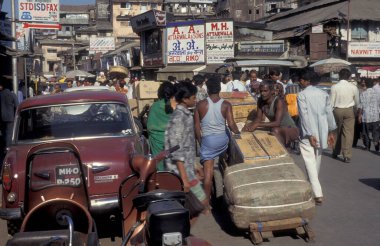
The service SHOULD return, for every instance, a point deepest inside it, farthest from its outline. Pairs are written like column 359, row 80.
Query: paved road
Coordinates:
column 349, row 216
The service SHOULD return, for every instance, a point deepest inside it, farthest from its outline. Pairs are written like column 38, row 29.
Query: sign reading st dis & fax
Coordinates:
column 186, row 42
column 38, row 10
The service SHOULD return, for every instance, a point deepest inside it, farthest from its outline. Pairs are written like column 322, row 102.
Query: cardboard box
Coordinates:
column 147, row 89
column 133, row 106
column 260, row 145
column 142, row 102
column 243, row 111
column 237, row 98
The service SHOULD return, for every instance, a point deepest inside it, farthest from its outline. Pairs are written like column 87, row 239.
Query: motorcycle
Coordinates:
column 56, row 204
column 152, row 206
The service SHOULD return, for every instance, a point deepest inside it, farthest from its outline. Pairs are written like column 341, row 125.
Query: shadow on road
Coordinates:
column 228, row 226
column 374, row 182
column 226, row 223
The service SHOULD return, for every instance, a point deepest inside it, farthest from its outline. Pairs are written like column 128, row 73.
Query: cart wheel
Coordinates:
column 256, row 237
column 309, row 234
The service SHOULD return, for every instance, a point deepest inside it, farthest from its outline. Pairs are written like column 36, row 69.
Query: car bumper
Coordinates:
column 10, row 213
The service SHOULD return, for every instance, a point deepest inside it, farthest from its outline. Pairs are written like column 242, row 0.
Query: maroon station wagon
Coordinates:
column 100, row 127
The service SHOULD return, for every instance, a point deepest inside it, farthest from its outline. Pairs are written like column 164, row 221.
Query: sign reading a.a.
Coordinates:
column 186, row 42
column 38, row 10
column 219, row 41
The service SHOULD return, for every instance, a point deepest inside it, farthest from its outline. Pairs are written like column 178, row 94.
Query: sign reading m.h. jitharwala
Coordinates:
column 219, row 41
column 38, row 10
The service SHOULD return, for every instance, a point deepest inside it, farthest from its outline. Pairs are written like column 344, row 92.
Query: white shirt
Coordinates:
column 235, row 85
column 377, row 89
column 344, row 95
column 223, row 87
column 130, row 90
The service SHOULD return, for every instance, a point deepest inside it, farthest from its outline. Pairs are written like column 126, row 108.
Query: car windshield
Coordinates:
column 73, row 121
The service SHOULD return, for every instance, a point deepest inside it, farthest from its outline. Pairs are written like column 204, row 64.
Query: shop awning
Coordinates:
column 181, row 72
column 262, row 63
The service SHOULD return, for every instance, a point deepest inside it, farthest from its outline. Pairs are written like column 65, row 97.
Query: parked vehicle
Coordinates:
column 152, row 204
column 69, row 155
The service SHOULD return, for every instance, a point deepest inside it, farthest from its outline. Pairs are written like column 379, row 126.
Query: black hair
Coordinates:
column 236, row 75
column 268, row 82
column 172, row 78
column 274, row 72
column 368, row 82
column 198, row 79
column 310, row 76
column 166, row 91
column 344, row 74
column 213, row 85
column 184, row 90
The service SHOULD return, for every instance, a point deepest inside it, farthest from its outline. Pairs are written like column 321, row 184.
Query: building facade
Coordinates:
column 190, row 9
column 123, row 11
column 252, row 10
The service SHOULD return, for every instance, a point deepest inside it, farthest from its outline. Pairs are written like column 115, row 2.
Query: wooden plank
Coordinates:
column 242, row 111
column 250, row 148
column 277, row 225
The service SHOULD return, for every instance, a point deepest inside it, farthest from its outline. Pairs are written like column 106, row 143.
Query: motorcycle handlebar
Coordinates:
column 164, row 154
column 172, row 149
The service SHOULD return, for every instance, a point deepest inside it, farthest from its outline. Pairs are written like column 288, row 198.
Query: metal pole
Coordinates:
column 348, row 27
column 14, row 58
column 73, row 57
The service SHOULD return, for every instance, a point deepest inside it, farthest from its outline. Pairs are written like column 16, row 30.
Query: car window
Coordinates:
column 71, row 121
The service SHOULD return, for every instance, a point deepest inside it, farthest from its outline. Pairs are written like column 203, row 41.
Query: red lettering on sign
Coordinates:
column 191, row 29
column 224, row 26
column 176, row 31
column 192, row 58
column 214, row 27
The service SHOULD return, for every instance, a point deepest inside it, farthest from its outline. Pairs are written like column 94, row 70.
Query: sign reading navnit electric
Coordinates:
column 186, row 42
column 38, row 10
column 364, row 49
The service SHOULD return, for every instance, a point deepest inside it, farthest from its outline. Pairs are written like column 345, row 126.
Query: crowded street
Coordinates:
column 350, row 215
column 197, row 122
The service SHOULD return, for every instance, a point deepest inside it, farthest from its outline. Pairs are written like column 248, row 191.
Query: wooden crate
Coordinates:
column 243, row 111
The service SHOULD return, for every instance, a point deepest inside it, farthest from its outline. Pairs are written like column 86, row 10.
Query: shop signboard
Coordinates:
column 38, row 10
column 102, row 44
column 261, row 48
column 219, row 41
column 185, row 42
column 148, row 20
column 364, row 49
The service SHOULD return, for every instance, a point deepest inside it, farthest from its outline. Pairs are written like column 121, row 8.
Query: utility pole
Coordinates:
column 348, row 27
column 14, row 58
column 73, row 56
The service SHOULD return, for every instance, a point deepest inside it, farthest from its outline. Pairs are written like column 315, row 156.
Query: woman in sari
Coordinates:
column 159, row 116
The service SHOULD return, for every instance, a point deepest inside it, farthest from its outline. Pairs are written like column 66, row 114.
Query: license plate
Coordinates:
column 68, row 175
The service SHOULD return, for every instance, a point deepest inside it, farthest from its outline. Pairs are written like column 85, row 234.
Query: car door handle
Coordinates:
column 43, row 175
column 98, row 169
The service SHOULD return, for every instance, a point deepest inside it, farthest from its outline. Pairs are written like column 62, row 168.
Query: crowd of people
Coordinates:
column 192, row 112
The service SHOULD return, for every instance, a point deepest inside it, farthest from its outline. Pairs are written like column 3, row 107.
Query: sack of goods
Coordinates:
column 266, row 186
